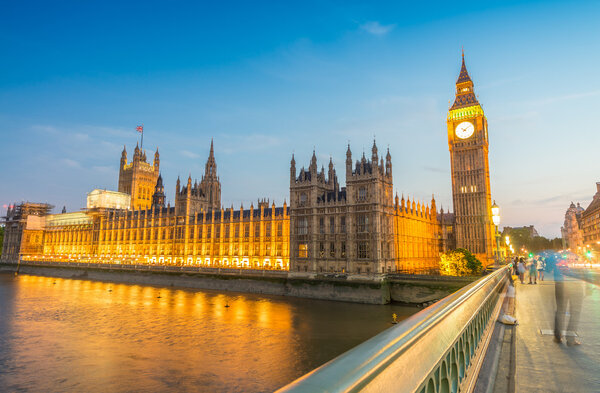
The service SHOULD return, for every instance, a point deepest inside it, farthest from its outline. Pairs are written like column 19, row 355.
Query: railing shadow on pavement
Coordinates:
column 439, row 349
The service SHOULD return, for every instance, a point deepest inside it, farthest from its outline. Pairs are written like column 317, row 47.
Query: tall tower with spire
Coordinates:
column 210, row 184
column 195, row 197
column 138, row 178
column 468, row 143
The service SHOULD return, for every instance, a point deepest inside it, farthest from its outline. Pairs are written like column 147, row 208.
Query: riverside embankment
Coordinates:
column 376, row 289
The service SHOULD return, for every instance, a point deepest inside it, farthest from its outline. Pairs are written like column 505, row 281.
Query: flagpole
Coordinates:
column 142, row 143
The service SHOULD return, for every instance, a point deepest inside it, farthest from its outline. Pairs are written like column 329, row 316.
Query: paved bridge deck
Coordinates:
column 543, row 365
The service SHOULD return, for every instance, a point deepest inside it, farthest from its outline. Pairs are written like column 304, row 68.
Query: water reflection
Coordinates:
column 76, row 335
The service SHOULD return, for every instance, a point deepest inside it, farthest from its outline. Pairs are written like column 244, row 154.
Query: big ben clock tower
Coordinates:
column 468, row 144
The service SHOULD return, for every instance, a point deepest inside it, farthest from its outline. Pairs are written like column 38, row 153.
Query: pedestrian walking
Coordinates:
column 532, row 272
column 541, row 265
column 521, row 270
column 568, row 294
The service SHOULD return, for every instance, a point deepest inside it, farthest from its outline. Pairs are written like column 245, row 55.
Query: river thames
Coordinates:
column 60, row 335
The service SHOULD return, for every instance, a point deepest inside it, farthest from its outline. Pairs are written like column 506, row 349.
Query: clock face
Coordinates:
column 465, row 130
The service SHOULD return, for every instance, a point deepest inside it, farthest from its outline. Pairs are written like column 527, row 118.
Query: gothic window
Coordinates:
column 321, row 225
column 362, row 193
column 343, row 249
column 332, row 250
column 343, row 225
column 363, row 250
column 268, row 249
column 256, row 249
column 363, row 223
column 227, row 231
column 217, row 232
column 321, row 250
column 279, row 229
column 302, row 226
column 302, row 199
column 303, row 250
column 257, row 230
column 331, row 225
column 247, row 230
column 208, row 232
column 237, row 231
column 191, row 232
column 279, row 250
column 268, row 230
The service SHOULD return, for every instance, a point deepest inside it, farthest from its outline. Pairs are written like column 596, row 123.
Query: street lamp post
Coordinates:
column 496, row 221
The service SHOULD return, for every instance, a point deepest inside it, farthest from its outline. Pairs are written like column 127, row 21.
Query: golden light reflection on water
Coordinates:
column 79, row 335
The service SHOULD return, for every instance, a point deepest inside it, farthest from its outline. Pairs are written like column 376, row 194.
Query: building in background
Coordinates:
column 529, row 230
column 590, row 222
column 572, row 234
column 468, row 143
column 24, row 230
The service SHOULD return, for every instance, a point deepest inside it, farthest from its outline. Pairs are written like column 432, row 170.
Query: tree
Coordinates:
column 521, row 238
column 459, row 262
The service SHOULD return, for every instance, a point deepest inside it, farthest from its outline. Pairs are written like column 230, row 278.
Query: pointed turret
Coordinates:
column 313, row 164
column 374, row 157
column 465, row 95
column 156, row 160
column 348, row 162
column 464, row 74
column 293, row 170
column 388, row 163
column 210, row 184
column 331, row 172
column 158, row 198
column 211, row 163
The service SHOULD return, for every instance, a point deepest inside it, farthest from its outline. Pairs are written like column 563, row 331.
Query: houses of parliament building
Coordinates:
column 359, row 228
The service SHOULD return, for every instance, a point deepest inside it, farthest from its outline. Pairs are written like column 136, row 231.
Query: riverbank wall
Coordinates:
column 381, row 289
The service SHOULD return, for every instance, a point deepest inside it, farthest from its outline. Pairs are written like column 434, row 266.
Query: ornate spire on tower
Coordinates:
column 464, row 89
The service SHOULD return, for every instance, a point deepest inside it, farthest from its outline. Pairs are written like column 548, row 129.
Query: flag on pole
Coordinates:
column 139, row 128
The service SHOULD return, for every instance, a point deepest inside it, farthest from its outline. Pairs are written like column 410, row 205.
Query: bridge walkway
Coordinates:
column 543, row 365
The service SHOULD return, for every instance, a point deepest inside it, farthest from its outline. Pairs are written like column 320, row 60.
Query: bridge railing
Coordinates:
column 439, row 349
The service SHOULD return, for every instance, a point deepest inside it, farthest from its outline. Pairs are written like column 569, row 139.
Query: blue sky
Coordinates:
column 269, row 79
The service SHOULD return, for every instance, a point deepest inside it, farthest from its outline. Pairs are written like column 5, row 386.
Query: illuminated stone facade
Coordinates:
column 252, row 238
column 572, row 234
column 194, row 232
column 468, row 143
column 108, row 199
column 360, row 228
column 24, row 230
column 138, row 178
column 590, row 222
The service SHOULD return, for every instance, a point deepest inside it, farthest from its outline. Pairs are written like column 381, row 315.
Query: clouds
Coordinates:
column 377, row 29
column 189, row 154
